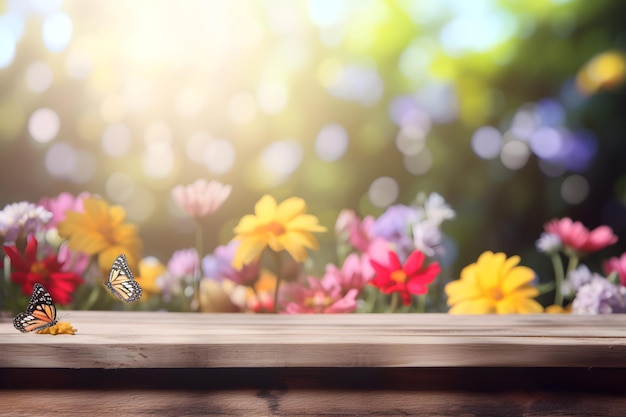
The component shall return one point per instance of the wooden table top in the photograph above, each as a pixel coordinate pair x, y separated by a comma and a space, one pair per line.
113, 340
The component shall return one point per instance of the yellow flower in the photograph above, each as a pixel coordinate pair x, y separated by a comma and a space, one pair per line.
494, 284
281, 227
99, 231
257, 299
214, 296
150, 269
61, 327
557, 309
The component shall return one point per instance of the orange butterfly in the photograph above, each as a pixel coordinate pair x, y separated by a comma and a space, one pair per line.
40, 312
121, 281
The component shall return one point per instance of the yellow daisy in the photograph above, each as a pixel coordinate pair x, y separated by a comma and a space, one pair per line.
100, 230
493, 284
281, 227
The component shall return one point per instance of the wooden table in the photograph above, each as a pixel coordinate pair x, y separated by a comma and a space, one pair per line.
134, 363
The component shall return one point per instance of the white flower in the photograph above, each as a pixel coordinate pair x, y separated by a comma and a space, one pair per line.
437, 210
22, 219
548, 243
427, 238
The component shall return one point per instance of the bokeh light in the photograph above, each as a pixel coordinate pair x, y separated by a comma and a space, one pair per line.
38, 77
116, 140
57, 31
219, 156
44, 125
346, 103
575, 189
487, 142
383, 192
332, 142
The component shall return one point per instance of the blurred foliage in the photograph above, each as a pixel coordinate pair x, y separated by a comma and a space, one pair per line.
139, 63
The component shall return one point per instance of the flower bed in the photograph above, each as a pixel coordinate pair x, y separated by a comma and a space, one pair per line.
400, 261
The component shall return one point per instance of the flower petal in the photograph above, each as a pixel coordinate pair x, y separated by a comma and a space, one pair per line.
478, 306
516, 278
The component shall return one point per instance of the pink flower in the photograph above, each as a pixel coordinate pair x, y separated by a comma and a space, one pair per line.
63, 203
358, 231
201, 197
407, 279
618, 265
578, 238
73, 261
183, 263
355, 272
319, 296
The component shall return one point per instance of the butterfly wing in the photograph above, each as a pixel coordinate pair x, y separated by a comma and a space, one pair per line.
121, 281
40, 312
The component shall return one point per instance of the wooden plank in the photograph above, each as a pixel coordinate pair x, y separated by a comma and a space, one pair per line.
187, 340
318, 392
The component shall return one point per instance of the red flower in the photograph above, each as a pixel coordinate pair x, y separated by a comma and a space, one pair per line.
411, 278
578, 238
27, 270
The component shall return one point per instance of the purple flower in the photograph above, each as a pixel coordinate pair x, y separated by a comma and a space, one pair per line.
576, 279
219, 266
21, 220
395, 224
600, 297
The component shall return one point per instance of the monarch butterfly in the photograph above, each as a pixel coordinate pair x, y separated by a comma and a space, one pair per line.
40, 312
121, 281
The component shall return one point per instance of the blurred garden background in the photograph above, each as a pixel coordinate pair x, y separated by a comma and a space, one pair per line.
513, 111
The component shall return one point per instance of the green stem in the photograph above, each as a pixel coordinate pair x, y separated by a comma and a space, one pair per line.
395, 297
421, 303
197, 276
370, 299
559, 275
278, 262
573, 263
93, 297
6, 275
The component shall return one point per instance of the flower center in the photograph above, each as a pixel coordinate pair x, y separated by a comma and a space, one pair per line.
497, 294
319, 299
107, 233
273, 227
398, 276
39, 268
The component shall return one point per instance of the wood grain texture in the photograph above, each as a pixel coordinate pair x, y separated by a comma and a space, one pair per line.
132, 363
315, 392
117, 340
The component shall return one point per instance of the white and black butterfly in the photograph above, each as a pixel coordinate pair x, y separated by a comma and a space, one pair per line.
121, 281
40, 312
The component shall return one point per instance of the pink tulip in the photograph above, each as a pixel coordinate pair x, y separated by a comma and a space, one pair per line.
618, 265
201, 197
578, 238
